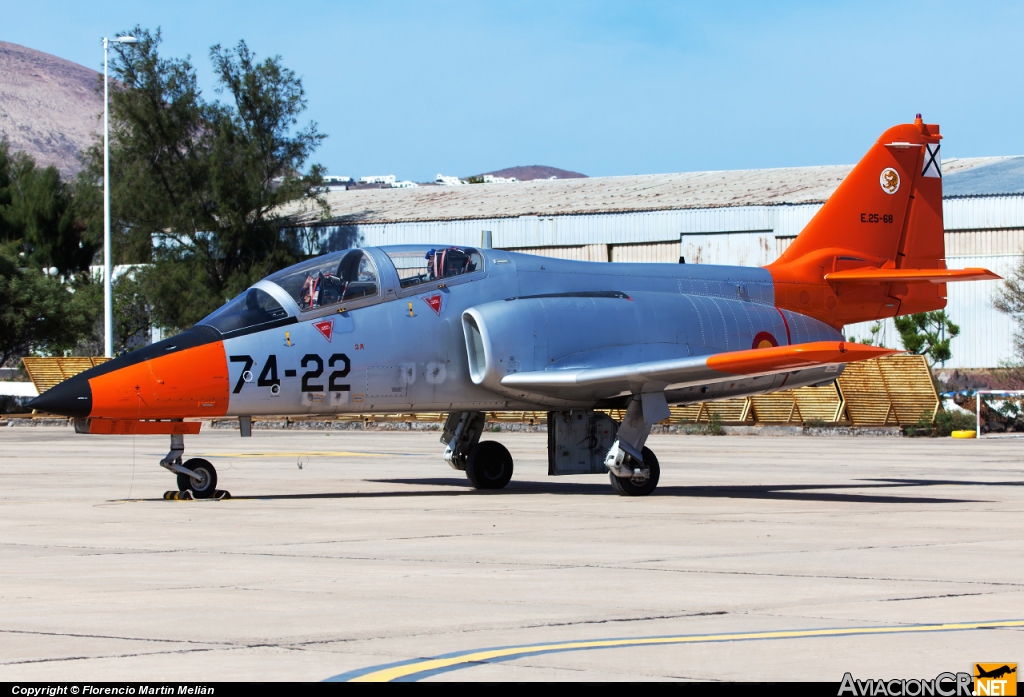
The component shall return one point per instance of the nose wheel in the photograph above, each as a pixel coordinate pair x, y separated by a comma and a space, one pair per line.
197, 478
202, 480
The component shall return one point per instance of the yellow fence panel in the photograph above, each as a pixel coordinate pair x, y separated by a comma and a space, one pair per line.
820, 403
866, 395
911, 389
47, 372
685, 413
730, 411
776, 408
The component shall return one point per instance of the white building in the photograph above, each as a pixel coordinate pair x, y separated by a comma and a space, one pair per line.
491, 179
442, 180
406, 184
388, 179
734, 217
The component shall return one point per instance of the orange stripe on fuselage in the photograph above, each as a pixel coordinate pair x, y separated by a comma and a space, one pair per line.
166, 387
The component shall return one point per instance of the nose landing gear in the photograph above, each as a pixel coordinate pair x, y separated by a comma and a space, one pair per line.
202, 482
197, 476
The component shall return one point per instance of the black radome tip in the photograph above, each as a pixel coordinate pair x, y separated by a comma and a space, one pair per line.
72, 398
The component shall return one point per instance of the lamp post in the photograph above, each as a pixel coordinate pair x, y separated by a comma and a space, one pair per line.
108, 298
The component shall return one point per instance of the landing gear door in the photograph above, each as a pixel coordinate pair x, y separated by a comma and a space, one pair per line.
578, 441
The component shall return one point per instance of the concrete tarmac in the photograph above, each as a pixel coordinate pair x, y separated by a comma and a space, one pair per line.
375, 552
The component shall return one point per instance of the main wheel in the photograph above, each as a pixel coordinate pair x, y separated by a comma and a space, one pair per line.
639, 486
203, 480
489, 465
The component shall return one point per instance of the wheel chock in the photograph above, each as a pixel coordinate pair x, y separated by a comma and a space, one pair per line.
186, 495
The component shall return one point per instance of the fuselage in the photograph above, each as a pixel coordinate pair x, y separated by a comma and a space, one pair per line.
370, 331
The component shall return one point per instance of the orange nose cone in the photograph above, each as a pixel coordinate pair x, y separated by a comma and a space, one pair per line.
192, 382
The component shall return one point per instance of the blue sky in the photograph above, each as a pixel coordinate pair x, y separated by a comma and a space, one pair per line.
604, 88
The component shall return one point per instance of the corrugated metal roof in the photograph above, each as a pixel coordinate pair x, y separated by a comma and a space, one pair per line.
1003, 176
648, 192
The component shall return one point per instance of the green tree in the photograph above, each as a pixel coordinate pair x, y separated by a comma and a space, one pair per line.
196, 185
927, 334
38, 217
874, 340
1010, 299
131, 312
40, 313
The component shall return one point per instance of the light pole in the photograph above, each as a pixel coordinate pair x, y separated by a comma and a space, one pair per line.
108, 297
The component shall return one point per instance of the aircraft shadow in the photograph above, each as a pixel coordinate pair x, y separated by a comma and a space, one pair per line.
799, 492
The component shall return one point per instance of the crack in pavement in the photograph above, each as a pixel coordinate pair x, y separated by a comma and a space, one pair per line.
120, 655
544, 566
930, 597
104, 636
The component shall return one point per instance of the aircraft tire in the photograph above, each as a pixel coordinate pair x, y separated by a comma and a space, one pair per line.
489, 465
205, 485
628, 487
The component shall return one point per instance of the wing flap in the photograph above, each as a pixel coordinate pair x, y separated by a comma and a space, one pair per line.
698, 370
872, 275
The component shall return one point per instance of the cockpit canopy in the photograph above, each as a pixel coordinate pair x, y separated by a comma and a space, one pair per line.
328, 280
253, 308
418, 265
341, 277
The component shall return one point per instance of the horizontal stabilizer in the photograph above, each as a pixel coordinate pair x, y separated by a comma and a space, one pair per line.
871, 275
696, 370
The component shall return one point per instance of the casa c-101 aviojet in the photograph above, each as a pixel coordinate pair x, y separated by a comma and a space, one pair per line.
465, 331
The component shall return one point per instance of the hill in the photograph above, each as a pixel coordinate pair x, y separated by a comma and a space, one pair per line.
529, 172
49, 107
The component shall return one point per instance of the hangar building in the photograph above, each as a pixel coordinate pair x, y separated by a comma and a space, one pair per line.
743, 217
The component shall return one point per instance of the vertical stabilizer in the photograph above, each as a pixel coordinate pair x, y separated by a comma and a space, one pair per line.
887, 214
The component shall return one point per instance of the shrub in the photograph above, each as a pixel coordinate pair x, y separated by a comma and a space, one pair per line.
948, 421
715, 425
923, 427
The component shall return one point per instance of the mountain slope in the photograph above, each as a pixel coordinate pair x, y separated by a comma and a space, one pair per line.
49, 107
529, 172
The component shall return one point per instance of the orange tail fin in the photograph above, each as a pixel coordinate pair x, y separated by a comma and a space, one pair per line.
886, 215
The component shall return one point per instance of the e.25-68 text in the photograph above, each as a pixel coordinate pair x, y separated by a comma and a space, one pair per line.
875, 218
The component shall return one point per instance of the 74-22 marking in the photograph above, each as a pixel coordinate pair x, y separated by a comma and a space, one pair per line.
314, 363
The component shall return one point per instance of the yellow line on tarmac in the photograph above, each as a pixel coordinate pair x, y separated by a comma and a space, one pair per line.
464, 660
310, 453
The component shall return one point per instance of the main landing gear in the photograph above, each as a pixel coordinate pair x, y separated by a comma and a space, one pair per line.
580, 441
639, 483
632, 467
487, 465
196, 476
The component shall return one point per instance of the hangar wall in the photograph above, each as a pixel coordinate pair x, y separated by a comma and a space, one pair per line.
980, 231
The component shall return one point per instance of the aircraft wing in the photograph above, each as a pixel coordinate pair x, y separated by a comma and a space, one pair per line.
695, 370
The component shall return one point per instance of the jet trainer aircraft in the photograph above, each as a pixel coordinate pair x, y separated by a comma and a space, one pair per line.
466, 331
